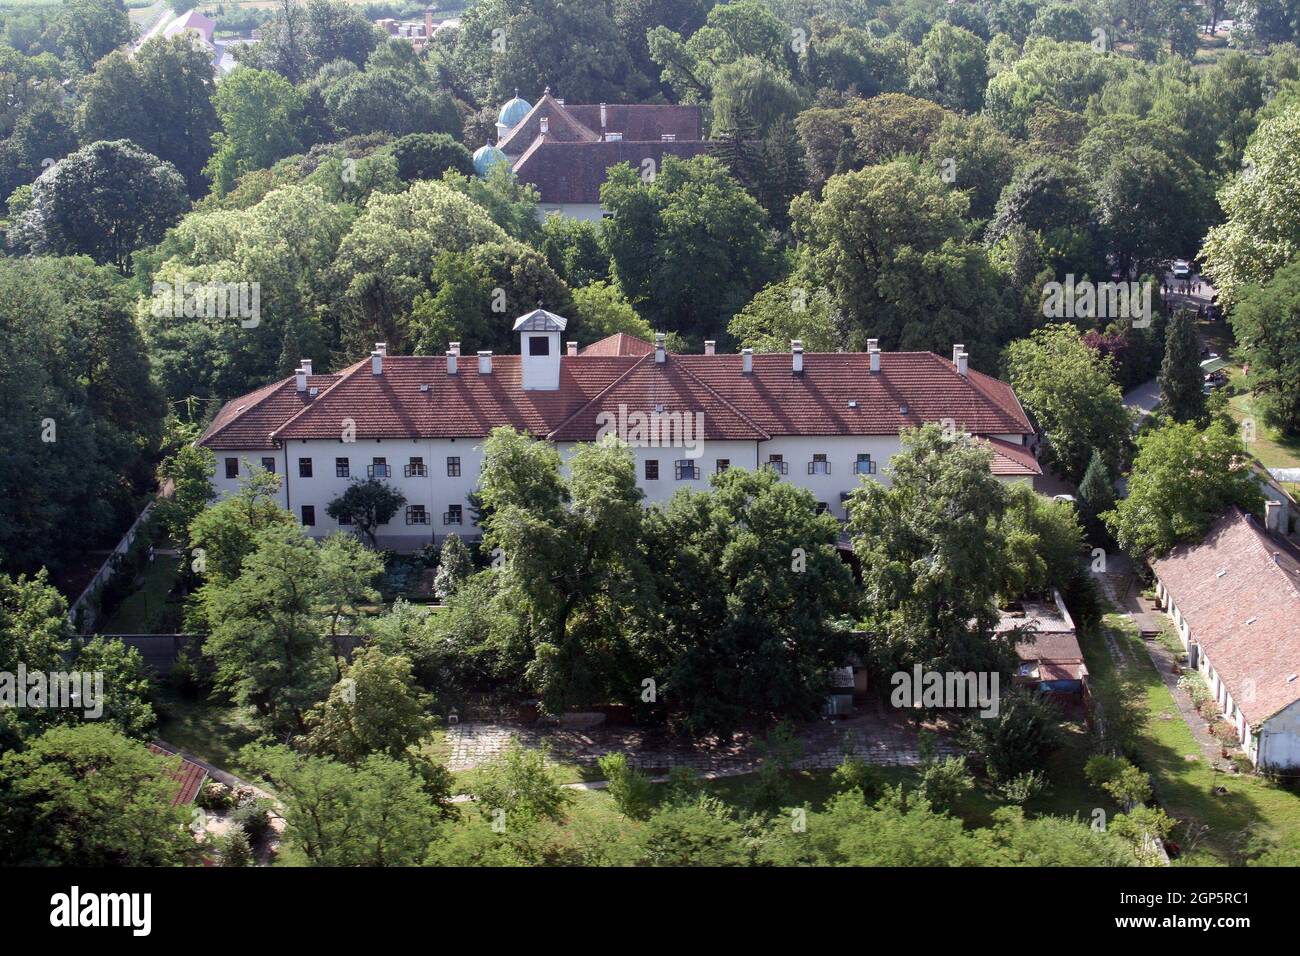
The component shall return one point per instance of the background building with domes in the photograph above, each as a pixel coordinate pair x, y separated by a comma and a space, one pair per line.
565, 150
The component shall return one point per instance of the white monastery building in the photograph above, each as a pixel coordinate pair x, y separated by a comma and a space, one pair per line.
823, 421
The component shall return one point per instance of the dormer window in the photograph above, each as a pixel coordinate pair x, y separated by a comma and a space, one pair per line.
539, 345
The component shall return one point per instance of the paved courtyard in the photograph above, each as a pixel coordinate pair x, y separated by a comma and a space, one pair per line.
879, 736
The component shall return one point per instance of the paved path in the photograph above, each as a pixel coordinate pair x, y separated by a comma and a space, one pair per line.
880, 736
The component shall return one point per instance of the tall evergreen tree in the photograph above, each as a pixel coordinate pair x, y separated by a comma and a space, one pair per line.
1180, 373
1097, 491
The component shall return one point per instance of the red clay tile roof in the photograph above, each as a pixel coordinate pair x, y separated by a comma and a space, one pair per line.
246, 423
620, 343
573, 172
1010, 459
189, 776
910, 389
562, 127
1247, 619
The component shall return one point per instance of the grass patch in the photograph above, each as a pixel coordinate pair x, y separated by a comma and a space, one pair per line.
1215, 829
146, 610
212, 730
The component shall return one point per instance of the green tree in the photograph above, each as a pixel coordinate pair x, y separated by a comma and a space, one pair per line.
931, 551
631, 790
1266, 323
784, 311
702, 833
1183, 478
1096, 490
1019, 738
454, 566
188, 472
520, 785
952, 68
1072, 395
1181, 391
225, 532
347, 574
749, 591
88, 796
571, 562
368, 504
688, 248
375, 708
259, 116
373, 814
265, 639
1261, 206
106, 200
89, 29
602, 310
429, 155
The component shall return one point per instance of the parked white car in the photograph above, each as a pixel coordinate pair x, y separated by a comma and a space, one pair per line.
1181, 269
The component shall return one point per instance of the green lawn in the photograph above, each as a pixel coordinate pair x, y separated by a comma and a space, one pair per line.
146, 609
209, 729
1251, 808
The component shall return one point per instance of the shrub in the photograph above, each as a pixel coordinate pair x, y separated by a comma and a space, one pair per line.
1194, 685
1023, 788
702, 833
944, 782
519, 782
854, 773
233, 848
1019, 738
1127, 784
253, 819
216, 797
632, 790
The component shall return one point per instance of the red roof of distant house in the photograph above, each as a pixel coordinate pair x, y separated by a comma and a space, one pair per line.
580, 123
836, 394
1238, 589
1010, 459
620, 343
189, 776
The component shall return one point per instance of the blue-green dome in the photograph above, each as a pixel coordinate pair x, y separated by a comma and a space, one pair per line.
514, 111
485, 157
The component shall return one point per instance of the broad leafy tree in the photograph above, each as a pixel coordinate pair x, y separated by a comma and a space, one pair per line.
1183, 478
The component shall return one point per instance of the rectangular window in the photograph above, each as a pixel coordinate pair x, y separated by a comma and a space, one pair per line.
778, 464
268, 464
308, 515
304, 467
345, 520
723, 465
453, 466
686, 470
865, 466
342, 468
652, 469
452, 515
379, 469
232, 467
819, 465
539, 345
416, 468
416, 514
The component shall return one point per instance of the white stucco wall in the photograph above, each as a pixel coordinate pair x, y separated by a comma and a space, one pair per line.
586, 211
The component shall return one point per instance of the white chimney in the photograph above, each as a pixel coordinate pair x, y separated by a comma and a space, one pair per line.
571, 348
546, 124
301, 376
796, 356
381, 348
659, 348
961, 363
1273, 516
305, 365
747, 361
956, 351
451, 362
377, 362
875, 361
454, 347
710, 347
873, 344
602, 117
485, 363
